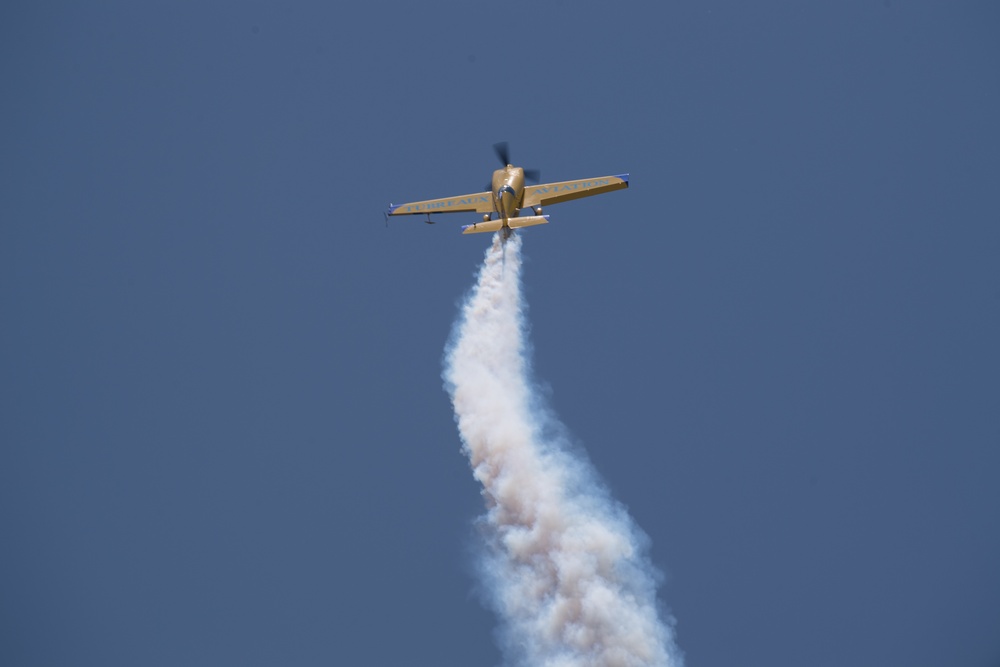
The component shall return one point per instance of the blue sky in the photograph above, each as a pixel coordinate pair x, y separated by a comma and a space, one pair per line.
224, 434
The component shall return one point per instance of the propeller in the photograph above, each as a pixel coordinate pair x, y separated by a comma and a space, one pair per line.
503, 153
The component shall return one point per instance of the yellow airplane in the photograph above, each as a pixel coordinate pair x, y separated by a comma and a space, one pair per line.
508, 195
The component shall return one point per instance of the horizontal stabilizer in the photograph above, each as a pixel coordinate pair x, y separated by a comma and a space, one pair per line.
527, 221
489, 226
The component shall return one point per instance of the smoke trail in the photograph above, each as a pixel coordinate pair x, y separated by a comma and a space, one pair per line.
564, 563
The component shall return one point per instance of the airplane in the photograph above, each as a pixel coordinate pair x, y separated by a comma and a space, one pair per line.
507, 196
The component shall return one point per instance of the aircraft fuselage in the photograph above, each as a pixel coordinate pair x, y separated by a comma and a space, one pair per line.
508, 191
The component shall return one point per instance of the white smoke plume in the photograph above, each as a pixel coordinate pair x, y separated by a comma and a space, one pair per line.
564, 564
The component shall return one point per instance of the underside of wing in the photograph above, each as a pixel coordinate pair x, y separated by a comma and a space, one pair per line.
480, 202
553, 193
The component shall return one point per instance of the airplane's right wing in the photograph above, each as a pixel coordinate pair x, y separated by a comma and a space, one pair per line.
480, 202
553, 193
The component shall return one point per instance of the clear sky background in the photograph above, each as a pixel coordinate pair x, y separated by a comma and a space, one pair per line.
223, 434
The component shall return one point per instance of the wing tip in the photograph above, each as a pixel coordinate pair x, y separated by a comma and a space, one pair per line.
624, 178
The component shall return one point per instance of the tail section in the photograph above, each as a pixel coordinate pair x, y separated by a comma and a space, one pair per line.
488, 226
527, 221
513, 223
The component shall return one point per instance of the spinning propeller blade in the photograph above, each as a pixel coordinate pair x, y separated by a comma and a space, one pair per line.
502, 152
502, 149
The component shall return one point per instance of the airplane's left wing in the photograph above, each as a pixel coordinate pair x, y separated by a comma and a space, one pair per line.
480, 202
553, 193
